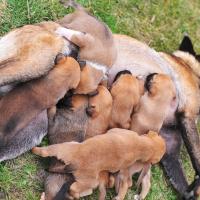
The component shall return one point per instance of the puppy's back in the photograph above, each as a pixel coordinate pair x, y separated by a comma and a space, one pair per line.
126, 94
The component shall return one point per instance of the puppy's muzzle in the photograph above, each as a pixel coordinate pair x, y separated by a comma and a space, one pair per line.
149, 78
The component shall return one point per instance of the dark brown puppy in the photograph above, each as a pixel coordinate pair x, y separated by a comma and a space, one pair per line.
25, 102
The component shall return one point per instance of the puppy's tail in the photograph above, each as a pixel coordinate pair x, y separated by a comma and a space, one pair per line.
73, 4
64, 151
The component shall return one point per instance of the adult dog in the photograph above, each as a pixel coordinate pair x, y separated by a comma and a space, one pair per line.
183, 68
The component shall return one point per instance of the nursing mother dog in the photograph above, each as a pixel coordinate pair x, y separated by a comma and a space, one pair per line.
180, 120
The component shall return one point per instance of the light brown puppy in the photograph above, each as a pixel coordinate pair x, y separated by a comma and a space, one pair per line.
96, 43
99, 110
154, 104
104, 152
126, 94
78, 118
28, 100
150, 115
123, 180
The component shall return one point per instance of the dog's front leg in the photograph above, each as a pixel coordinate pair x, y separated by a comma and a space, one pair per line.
170, 162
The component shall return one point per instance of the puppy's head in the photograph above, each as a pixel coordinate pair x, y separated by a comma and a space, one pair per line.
160, 84
159, 146
89, 80
101, 103
94, 38
68, 67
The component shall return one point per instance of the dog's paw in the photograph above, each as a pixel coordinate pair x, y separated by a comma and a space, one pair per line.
42, 196
116, 198
137, 197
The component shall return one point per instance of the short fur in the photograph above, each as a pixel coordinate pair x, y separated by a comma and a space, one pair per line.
126, 94
85, 117
148, 149
99, 110
142, 60
154, 105
19, 107
66, 124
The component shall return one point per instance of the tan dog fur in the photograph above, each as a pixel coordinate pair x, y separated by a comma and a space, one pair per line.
99, 110
126, 94
78, 126
21, 59
96, 43
154, 105
91, 157
25, 102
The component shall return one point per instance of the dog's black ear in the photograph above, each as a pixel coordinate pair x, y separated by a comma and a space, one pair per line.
82, 63
187, 46
58, 58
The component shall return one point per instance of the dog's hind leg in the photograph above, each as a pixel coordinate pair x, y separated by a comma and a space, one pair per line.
146, 185
170, 162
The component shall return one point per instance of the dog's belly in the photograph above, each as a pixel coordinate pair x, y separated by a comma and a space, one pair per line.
136, 57
25, 139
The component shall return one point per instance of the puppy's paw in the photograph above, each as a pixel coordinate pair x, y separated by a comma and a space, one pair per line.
116, 198
137, 197
42, 196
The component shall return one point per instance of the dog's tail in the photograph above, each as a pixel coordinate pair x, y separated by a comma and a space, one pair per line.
64, 151
73, 4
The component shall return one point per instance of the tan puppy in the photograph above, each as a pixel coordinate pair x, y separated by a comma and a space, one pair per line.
99, 110
155, 104
96, 43
104, 152
80, 116
28, 100
123, 180
126, 94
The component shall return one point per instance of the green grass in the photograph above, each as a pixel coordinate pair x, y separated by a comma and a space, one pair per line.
159, 23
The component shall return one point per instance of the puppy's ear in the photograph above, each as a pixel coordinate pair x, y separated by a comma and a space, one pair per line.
187, 46
82, 63
59, 58
92, 111
152, 134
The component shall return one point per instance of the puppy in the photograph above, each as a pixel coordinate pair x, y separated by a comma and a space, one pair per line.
66, 123
96, 43
126, 94
97, 47
20, 106
155, 104
123, 180
81, 117
104, 152
21, 59
99, 111
142, 121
